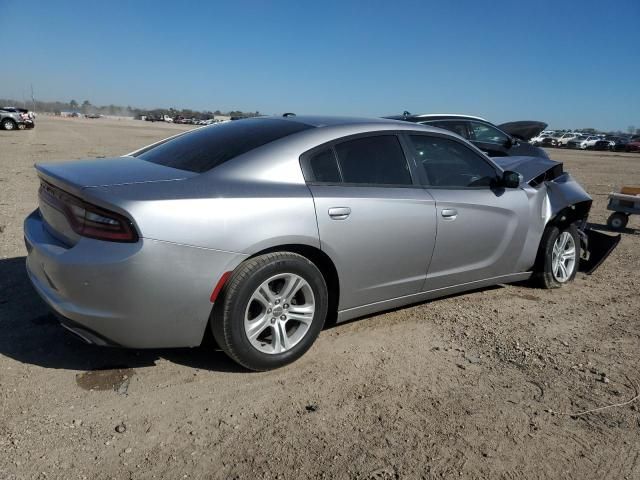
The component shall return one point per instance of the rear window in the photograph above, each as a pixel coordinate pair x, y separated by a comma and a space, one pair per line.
208, 147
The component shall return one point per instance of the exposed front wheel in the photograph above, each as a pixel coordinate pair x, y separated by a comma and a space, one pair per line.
558, 257
270, 311
8, 124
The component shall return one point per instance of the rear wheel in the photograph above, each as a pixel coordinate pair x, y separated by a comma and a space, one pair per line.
271, 310
558, 257
8, 124
617, 220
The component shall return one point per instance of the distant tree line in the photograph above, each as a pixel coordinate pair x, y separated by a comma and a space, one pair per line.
86, 107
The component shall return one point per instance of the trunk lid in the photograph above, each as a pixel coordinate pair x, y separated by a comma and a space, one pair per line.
67, 183
103, 172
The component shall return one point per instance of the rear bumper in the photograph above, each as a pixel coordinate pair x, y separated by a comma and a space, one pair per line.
149, 294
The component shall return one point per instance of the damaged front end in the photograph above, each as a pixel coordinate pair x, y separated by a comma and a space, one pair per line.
569, 203
562, 201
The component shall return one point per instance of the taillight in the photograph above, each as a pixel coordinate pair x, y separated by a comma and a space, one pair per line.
89, 220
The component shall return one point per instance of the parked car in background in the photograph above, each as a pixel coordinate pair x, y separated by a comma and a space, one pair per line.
600, 144
538, 139
259, 229
617, 143
509, 139
633, 145
12, 118
565, 138
576, 142
547, 139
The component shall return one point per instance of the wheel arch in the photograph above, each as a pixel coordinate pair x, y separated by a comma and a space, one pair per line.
577, 212
324, 263
9, 119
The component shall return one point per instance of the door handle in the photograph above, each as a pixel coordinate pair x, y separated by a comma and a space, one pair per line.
449, 213
339, 213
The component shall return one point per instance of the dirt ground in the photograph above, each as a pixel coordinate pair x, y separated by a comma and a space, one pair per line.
474, 386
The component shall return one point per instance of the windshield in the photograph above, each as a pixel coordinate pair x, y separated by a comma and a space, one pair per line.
205, 148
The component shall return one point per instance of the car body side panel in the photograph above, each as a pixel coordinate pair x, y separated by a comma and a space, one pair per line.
231, 216
383, 248
483, 240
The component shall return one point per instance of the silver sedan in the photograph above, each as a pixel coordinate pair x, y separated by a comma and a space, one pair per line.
262, 229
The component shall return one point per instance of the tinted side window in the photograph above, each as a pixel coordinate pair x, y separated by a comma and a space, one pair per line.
324, 167
205, 148
461, 127
448, 163
374, 160
486, 133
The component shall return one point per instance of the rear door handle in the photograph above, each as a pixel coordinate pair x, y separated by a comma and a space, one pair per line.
449, 213
339, 213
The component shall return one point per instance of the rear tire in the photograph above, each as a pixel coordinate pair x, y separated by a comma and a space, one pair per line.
270, 311
617, 221
558, 257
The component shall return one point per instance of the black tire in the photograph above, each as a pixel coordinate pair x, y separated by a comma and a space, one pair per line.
543, 273
227, 319
617, 221
8, 124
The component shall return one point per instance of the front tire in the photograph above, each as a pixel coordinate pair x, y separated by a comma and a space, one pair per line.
270, 311
8, 124
558, 257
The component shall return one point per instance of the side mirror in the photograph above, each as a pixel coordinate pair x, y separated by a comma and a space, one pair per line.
511, 179
510, 142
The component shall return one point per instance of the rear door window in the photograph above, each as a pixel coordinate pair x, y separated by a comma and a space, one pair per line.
205, 148
373, 160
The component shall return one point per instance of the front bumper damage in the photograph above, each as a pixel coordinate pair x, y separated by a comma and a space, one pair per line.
596, 247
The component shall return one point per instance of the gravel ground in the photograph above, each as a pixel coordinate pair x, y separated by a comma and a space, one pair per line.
479, 385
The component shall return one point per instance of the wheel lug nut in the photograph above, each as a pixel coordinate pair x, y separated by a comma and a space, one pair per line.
273, 320
286, 305
277, 302
282, 317
268, 310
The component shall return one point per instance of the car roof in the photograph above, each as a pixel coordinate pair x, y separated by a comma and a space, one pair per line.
334, 121
436, 116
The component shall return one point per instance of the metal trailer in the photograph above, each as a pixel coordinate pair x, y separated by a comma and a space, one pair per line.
623, 204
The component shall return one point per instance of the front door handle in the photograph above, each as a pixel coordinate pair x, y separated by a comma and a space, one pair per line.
339, 213
449, 213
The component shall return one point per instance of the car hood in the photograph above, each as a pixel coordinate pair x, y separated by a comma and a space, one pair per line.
524, 130
528, 167
104, 172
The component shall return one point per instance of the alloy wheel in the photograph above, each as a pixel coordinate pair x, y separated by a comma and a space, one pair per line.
563, 257
279, 313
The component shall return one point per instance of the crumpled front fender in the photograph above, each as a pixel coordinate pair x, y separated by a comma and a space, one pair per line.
564, 192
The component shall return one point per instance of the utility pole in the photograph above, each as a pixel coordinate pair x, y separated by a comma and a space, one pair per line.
33, 102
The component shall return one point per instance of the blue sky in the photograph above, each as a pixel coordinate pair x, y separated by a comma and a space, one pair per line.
570, 63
